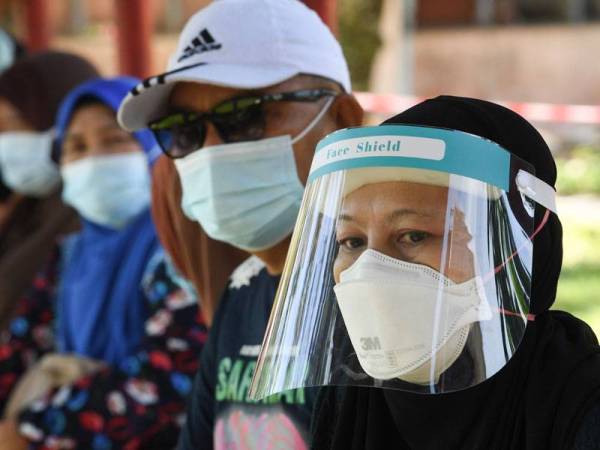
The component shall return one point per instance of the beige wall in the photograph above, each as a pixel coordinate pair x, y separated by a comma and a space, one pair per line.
101, 51
99, 44
96, 11
536, 63
521, 63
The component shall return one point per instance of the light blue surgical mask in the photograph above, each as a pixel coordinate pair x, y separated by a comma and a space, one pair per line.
246, 194
26, 163
108, 190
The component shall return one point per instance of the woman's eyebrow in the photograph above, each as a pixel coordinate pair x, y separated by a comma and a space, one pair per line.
403, 212
395, 215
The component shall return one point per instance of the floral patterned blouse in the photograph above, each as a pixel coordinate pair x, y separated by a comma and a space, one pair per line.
138, 405
30, 334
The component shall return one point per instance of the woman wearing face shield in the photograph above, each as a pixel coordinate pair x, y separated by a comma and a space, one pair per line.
427, 255
129, 330
32, 215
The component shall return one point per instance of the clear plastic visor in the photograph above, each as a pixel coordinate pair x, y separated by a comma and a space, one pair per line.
402, 278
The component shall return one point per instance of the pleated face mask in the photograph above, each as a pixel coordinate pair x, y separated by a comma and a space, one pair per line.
108, 190
246, 194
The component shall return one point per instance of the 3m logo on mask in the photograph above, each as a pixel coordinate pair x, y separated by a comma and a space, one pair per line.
204, 42
370, 343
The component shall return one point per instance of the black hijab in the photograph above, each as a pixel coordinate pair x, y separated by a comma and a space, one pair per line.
538, 400
36, 84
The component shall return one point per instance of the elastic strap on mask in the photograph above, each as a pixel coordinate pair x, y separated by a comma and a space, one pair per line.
516, 252
316, 120
542, 193
530, 317
506, 312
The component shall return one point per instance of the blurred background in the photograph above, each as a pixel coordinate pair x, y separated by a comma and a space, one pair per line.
539, 57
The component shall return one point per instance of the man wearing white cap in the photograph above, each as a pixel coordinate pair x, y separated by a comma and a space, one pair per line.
251, 89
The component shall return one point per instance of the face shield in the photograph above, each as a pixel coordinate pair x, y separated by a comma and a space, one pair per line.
409, 267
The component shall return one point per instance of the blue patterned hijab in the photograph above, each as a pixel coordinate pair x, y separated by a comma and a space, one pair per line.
101, 305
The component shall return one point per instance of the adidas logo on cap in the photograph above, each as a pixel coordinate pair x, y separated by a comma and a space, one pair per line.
204, 42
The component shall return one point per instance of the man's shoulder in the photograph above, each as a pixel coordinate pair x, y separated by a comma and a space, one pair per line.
245, 273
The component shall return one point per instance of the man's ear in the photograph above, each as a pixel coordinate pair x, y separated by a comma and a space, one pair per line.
348, 112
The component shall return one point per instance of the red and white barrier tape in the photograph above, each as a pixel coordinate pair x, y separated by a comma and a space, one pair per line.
534, 112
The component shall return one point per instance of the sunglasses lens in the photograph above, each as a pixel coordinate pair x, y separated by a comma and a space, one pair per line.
236, 120
247, 124
187, 139
180, 141
164, 139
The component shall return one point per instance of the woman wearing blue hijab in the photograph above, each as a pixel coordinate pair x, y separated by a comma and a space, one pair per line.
123, 314
106, 179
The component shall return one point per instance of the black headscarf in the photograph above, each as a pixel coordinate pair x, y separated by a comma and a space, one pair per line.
36, 84
538, 400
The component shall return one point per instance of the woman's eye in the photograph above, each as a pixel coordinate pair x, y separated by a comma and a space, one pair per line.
116, 140
351, 243
74, 149
414, 237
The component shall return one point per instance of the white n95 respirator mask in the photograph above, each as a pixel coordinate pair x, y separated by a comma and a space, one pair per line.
390, 309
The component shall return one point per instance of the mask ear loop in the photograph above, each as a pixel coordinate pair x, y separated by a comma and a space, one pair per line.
530, 317
313, 122
542, 193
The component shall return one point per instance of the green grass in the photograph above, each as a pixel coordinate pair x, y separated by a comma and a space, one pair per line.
579, 285
578, 290
580, 172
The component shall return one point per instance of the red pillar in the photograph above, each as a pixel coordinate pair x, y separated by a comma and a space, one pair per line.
134, 30
327, 10
37, 24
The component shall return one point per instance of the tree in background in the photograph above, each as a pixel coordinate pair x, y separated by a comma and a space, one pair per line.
358, 34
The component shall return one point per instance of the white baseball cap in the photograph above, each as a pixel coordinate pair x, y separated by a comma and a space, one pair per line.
246, 44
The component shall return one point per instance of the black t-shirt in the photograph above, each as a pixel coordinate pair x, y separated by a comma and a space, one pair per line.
220, 415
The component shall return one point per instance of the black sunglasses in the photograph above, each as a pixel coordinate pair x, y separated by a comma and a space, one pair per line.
236, 120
